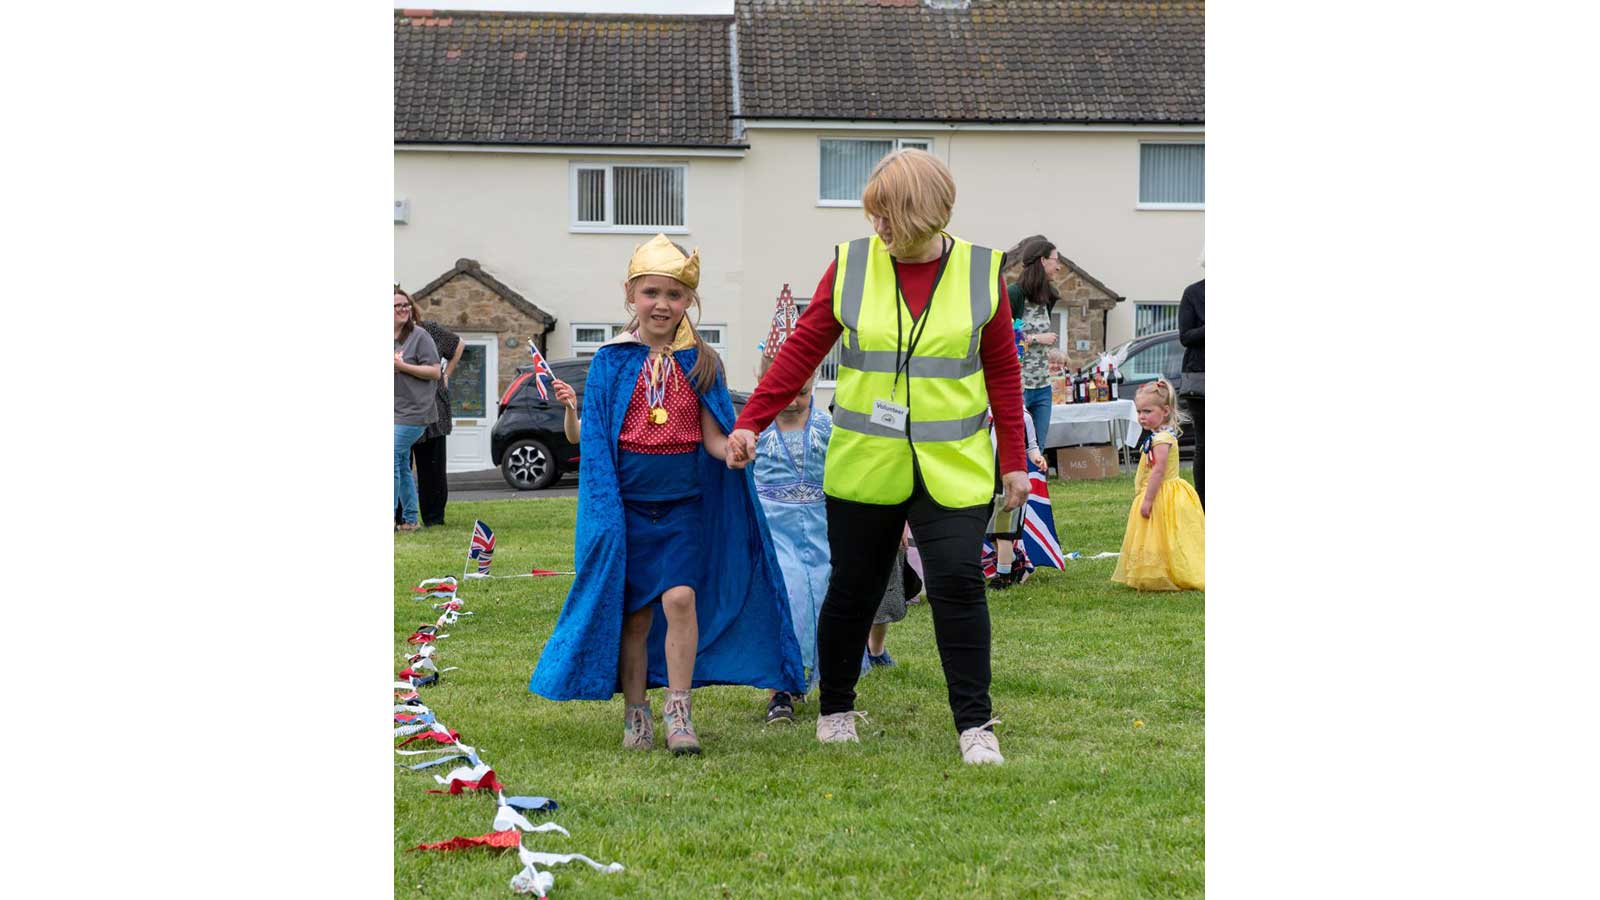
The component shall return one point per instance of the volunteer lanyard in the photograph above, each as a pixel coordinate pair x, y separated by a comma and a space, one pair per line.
919, 325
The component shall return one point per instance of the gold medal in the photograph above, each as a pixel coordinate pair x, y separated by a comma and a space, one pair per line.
658, 416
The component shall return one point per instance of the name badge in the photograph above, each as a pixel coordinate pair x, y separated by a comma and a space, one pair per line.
890, 415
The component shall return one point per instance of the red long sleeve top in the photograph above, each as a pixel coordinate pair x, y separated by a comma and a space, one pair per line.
817, 332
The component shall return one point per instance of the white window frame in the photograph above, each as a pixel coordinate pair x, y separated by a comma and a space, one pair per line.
588, 348
721, 344
899, 144
1173, 304
800, 304
1138, 187
575, 226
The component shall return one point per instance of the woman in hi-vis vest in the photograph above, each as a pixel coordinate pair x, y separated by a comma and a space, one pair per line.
925, 348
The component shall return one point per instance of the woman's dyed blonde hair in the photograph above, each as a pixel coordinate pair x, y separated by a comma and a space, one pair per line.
914, 192
1161, 391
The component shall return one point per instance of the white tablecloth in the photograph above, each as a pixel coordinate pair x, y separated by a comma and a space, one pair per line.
1091, 423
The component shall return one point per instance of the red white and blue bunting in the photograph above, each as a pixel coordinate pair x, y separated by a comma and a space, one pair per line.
416, 723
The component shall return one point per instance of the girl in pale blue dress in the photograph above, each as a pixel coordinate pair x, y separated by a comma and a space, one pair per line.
790, 455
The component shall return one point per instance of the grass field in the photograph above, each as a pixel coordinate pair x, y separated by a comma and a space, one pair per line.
1101, 691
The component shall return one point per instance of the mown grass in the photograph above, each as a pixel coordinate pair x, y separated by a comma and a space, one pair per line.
1101, 690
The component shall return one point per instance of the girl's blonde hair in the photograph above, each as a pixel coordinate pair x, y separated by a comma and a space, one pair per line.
706, 363
1055, 354
914, 192
1161, 390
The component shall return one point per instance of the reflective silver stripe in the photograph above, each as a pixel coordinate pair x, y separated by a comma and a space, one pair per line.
855, 282
921, 432
882, 362
982, 257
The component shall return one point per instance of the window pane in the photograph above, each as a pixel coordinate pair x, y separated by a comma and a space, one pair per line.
585, 335
1154, 361
846, 165
649, 195
591, 195
1151, 318
1172, 173
711, 335
914, 144
469, 385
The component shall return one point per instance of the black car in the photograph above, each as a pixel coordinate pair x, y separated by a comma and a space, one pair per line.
528, 442
1145, 359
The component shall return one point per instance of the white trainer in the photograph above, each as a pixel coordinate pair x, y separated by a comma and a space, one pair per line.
980, 746
839, 728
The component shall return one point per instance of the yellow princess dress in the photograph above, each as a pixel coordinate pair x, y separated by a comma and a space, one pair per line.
1166, 552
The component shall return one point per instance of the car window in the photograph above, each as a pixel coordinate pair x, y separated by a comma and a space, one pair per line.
1161, 359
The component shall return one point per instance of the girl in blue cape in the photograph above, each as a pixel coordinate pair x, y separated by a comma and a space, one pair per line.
662, 522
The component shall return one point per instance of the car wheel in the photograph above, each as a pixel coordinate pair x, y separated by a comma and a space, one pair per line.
528, 465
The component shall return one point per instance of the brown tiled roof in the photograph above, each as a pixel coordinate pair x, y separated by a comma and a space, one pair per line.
528, 78
996, 61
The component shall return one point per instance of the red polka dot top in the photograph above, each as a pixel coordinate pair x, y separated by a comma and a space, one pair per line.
680, 433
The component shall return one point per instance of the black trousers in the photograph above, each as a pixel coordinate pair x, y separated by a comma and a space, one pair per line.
1197, 412
433, 491
863, 539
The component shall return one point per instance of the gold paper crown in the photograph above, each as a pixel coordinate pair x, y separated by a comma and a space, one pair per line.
658, 256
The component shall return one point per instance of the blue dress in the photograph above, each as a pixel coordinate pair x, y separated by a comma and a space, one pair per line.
788, 471
745, 636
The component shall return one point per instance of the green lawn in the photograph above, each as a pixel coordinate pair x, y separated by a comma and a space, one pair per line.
1101, 689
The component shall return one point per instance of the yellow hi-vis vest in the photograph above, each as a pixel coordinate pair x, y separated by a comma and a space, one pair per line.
869, 462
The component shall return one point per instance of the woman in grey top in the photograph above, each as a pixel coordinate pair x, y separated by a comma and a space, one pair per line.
416, 368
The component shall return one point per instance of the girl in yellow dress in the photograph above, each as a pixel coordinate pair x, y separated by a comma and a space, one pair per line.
1164, 548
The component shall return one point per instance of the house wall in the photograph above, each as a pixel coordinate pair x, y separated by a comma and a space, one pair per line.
511, 213
1080, 189
757, 223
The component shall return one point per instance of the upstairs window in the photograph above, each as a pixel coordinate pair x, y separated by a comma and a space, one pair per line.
847, 163
1172, 175
629, 198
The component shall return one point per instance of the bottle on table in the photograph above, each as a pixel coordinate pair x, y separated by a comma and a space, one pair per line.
1115, 380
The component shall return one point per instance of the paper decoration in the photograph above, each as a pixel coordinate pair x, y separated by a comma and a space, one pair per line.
487, 782
503, 840
506, 817
447, 737
530, 857
529, 804
532, 881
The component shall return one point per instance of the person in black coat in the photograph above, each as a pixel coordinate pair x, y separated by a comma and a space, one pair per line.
1192, 334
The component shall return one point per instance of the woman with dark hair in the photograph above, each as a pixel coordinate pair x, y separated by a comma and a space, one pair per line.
1033, 299
416, 368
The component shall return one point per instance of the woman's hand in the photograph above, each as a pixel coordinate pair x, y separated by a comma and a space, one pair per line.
1016, 487
564, 393
1144, 508
1044, 337
1037, 459
741, 448
399, 362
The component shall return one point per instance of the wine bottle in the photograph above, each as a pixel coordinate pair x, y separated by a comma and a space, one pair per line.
1115, 380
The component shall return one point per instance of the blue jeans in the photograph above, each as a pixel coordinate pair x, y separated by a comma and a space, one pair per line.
1036, 402
405, 487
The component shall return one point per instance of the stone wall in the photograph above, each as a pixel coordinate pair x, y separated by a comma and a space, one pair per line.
466, 304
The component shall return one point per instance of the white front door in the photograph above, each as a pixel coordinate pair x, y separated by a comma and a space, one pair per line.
474, 403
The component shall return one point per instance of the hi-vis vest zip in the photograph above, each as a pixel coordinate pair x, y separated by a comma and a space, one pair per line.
945, 392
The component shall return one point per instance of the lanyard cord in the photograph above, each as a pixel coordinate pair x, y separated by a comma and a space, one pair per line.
918, 326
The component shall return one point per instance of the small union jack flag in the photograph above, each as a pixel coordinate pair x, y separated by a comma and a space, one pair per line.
540, 369
482, 547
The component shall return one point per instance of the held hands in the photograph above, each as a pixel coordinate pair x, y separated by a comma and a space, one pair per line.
741, 448
1016, 487
1037, 458
564, 393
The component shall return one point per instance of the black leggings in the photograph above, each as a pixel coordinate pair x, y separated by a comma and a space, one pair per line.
863, 539
1197, 412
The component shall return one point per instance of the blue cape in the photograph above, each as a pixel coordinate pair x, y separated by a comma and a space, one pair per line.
746, 636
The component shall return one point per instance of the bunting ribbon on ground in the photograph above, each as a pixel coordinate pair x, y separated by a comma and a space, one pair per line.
415, 721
